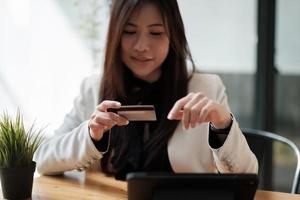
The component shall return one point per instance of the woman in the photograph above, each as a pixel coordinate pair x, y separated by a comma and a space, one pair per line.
145, 63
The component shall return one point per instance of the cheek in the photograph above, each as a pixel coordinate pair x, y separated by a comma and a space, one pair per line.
125, 48
125, 45
163, 50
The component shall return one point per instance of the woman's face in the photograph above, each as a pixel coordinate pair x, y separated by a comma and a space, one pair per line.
144, 43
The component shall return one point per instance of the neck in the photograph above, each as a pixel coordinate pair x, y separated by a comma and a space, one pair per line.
151, 78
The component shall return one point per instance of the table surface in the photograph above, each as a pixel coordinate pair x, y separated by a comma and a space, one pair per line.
96, 185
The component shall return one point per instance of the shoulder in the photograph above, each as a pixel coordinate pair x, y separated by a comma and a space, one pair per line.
209, 84
89, 89
198, 77
91, 82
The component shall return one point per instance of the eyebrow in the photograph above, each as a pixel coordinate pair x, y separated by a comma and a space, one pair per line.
151, 25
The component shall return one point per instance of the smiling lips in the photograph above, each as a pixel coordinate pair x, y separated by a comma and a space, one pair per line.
141, 59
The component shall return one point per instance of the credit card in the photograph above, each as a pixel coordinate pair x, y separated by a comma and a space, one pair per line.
136, 112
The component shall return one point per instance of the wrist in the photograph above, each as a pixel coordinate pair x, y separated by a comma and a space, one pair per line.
96, 135
223, 124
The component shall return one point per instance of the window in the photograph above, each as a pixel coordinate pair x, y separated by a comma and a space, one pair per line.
222, 38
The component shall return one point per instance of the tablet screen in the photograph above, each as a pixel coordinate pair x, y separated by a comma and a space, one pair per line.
182, 186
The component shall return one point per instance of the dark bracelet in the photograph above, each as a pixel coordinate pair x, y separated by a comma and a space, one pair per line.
223, 130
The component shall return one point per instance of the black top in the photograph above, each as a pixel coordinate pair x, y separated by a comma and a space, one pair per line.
129, 142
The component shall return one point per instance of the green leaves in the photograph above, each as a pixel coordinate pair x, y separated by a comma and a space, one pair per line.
17, 145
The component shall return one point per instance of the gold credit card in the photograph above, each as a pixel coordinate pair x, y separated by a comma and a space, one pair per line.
136, 112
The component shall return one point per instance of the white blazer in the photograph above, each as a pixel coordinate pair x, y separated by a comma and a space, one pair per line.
189, 151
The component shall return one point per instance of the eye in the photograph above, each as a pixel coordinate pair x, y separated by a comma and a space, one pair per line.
129, 32
156, 33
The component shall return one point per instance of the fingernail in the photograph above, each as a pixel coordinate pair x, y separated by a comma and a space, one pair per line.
188, 125
118, 103
127, 122
170, 116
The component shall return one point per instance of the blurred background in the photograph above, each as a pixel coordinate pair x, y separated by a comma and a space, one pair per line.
47, 47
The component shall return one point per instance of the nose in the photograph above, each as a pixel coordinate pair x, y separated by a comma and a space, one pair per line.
141, 43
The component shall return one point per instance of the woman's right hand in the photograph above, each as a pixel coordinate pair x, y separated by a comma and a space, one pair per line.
102, 120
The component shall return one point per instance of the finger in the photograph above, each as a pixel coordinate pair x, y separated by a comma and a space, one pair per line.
178, 116
205, 112
108, 104
198, 106
175, 111
186, 118
96, 126
193, 109
194, 100
194, 116
120, 121
104, 120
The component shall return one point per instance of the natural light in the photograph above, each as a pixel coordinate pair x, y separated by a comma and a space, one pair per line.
42, 61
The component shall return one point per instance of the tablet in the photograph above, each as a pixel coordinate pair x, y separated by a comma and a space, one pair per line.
158, 186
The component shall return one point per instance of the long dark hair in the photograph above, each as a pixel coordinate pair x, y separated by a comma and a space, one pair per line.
174, 74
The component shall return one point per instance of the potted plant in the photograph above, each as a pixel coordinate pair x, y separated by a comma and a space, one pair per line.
17, 146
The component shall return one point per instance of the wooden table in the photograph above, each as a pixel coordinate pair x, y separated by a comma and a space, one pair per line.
95, 185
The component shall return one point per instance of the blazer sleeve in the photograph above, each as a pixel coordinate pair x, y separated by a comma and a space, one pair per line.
234, 156
71, 146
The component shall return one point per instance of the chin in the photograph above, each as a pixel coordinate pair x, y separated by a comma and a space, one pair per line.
142, 75
141, 71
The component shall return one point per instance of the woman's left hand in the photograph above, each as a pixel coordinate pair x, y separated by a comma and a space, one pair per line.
196, 108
